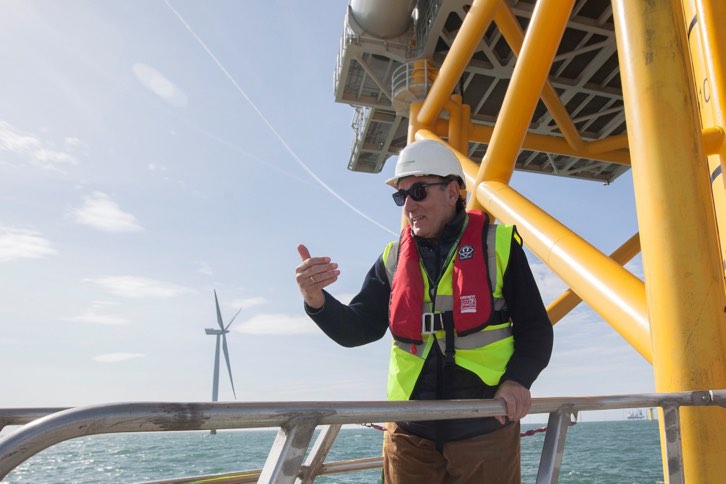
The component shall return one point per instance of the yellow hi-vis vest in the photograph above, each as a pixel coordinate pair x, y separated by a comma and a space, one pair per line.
486, 352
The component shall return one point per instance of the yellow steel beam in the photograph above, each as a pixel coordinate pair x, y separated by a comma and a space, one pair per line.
681, 260
467, 40
455, 122
512, 32
481, 133
611, 143
610, 290
613, 292
552, 144
707, 45
712, 14
711, 17
413, 126
568, 300
713, 140
546, 27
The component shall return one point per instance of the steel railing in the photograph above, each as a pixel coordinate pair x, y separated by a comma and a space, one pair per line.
297, 422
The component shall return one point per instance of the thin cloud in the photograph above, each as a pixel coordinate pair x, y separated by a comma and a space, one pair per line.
278, 324
205, 268
246, 303
157, 83
29, 149
549, 284
117, 357
98, 314
23, 244
133, 287
156, 167
102, 213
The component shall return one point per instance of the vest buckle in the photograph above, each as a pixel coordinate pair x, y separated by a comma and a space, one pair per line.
430, 323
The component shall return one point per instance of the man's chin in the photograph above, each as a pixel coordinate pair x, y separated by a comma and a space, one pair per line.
420, 231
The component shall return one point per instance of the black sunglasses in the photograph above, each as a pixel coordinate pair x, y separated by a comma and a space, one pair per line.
417, 192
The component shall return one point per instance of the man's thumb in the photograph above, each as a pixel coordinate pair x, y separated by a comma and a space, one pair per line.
304, 252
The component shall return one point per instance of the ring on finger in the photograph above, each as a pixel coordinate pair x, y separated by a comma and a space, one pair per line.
312, 278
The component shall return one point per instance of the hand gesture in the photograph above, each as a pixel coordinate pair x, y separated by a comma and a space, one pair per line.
313, 275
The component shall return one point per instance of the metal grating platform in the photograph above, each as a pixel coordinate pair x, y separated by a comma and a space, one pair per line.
585, 74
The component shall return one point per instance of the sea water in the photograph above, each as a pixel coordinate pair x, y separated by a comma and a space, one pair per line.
617, 452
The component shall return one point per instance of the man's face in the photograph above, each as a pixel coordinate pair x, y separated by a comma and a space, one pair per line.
429, 216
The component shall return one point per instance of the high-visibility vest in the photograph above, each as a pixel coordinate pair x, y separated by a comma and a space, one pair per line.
485, 351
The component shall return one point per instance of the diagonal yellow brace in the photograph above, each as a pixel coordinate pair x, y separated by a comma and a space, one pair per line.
548, 23
462, 49
568, 300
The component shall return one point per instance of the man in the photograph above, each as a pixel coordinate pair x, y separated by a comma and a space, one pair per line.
466, 317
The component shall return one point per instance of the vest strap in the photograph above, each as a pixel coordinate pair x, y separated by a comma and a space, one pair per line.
482, 338
469, 342
432, 322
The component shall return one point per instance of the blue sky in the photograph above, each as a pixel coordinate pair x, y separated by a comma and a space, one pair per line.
152, 152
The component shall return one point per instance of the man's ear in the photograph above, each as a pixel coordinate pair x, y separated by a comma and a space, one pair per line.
452, 190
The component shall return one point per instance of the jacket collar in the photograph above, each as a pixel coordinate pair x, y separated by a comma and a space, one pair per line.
451, 231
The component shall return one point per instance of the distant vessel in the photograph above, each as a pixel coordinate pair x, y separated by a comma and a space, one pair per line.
637, 414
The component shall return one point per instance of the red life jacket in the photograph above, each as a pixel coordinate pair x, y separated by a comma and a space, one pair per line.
471, 289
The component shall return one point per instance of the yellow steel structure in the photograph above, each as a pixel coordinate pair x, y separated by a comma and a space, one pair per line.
707, 42
568, 300
672, 64
685, 290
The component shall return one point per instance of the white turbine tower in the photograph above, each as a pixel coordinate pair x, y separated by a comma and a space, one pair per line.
221, 334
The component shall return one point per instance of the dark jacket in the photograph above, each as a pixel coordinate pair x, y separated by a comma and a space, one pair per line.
365, 320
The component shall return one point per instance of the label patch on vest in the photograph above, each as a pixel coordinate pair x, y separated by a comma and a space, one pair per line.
468, 304
466, 252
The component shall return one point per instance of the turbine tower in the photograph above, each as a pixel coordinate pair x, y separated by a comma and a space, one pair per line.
221, 334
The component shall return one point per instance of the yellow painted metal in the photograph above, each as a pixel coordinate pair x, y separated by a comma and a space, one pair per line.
467, 39
454, 109
568, 300
551, 144
685, 295
512, 32
613, 292
466, 127
412, 124
615, 142
548, 22
711, 18
713, 140
610, 290
707, 44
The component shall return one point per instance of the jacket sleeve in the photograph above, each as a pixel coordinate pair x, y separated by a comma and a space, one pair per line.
362, 321
531, 326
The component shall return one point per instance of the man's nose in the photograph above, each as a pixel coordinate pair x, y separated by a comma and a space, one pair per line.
409, 203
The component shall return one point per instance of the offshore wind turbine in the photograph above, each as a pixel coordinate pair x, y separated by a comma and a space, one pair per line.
221, 335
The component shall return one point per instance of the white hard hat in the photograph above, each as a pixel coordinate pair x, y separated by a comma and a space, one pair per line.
426, 157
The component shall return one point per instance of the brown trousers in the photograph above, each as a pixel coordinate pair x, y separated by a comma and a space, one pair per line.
490, 458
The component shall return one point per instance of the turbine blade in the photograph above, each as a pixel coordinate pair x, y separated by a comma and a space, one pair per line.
229, 367
233, 318
219, 313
